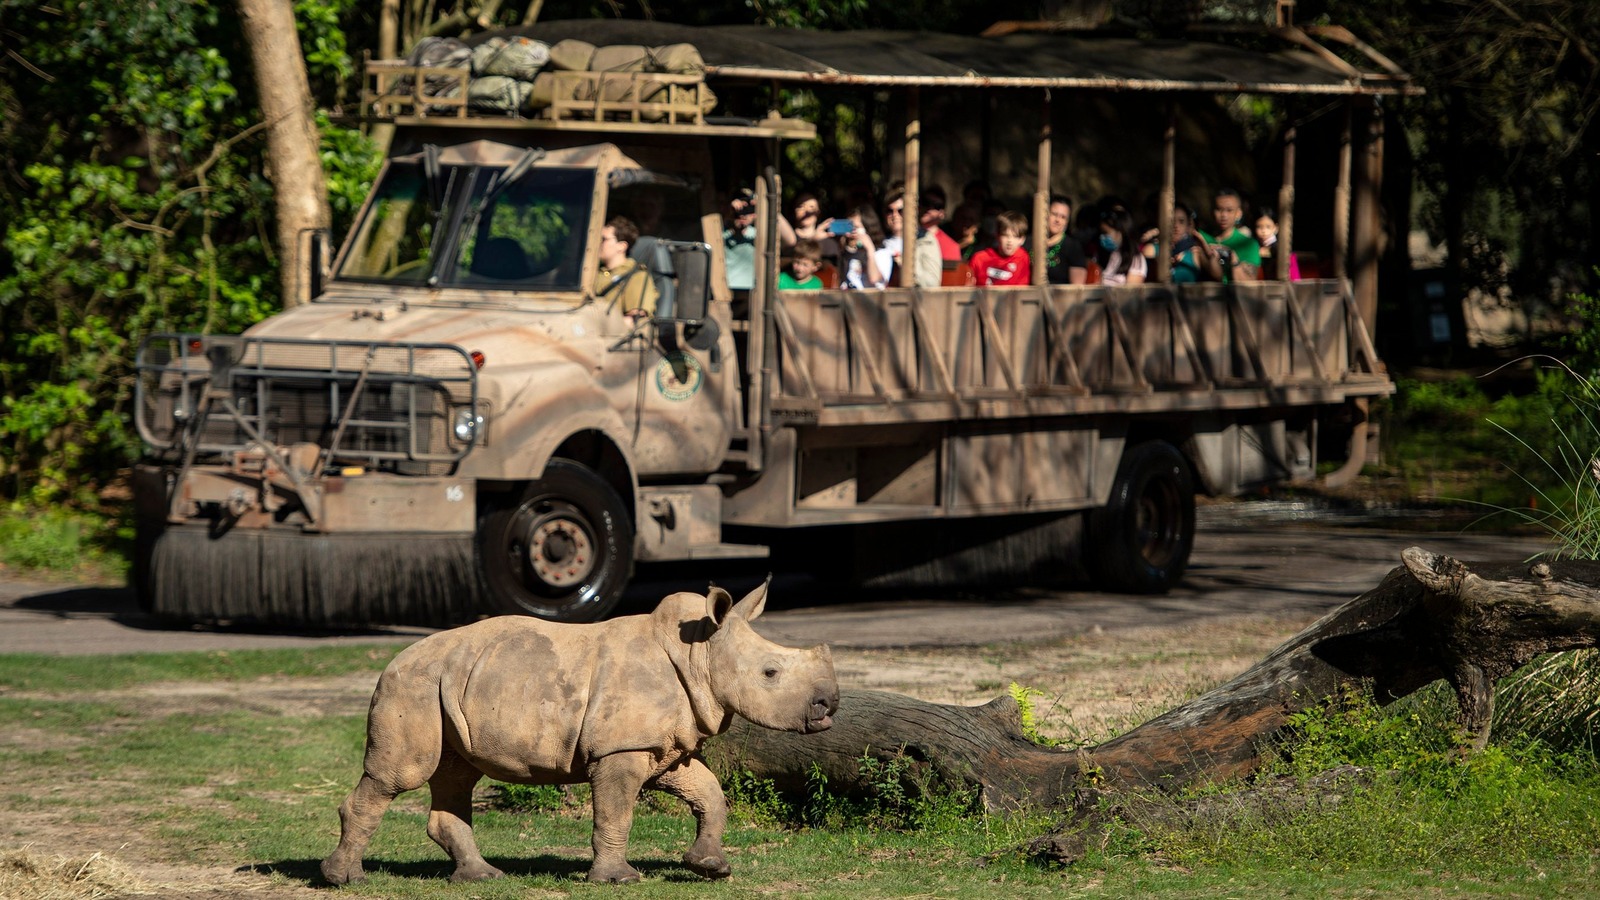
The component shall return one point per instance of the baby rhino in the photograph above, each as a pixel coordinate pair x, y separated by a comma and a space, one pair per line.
624, 705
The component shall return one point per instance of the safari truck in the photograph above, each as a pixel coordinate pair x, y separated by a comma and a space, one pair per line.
461, 421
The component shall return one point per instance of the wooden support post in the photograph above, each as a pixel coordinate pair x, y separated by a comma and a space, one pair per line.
1169, 194
912, 214
1341, 198
1282, 255
1041, 197
1366, 228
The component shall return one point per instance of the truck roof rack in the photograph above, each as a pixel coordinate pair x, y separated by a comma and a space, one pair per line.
397, 92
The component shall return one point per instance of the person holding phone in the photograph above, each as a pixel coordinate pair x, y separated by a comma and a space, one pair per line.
858, 237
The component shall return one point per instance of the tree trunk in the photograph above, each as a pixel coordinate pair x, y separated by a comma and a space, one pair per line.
299, 191
1429, 619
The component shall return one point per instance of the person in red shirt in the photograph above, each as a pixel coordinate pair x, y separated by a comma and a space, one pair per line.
1006, 264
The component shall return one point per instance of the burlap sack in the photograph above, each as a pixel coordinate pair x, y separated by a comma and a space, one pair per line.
571, 55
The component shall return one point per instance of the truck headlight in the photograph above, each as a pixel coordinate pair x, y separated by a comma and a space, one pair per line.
467, 425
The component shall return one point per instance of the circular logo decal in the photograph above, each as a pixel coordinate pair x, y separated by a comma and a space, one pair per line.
678, 376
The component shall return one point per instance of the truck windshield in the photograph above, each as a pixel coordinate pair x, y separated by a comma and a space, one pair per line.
528, 236
394, 242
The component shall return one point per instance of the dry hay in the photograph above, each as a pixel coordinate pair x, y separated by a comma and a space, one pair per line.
27, 875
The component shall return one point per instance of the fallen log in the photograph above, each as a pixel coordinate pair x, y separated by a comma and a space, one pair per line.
1433, 617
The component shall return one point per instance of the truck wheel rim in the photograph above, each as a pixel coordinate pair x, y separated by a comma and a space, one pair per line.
559, 550
1157, 522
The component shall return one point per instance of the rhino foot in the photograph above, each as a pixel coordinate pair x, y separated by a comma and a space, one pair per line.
336, 871
614, 874
715, 866
478, 871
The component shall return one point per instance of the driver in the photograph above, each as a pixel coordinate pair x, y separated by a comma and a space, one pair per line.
620, 276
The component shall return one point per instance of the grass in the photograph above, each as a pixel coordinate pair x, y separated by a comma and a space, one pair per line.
236, 787
59, 543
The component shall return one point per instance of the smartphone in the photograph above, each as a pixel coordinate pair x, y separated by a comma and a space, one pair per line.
841, 226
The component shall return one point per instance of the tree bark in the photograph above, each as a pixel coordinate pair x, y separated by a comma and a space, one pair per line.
300, 193
1432, 618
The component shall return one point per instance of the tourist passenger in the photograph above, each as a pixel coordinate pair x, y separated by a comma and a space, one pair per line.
891, 251
802, 273
1267, 235
1118, 251
858, 262
1064, 260
931, 206
1190, 254
1235, 247
621, 280
807, 221
739, 240
1006, 264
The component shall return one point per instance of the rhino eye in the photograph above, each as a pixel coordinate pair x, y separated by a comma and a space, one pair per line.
771, 672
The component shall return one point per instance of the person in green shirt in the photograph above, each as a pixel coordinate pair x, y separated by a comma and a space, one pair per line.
802, 272
1235, 249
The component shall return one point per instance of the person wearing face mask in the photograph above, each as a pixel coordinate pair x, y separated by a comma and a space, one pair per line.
1118, 249
1267, 235
1006, 264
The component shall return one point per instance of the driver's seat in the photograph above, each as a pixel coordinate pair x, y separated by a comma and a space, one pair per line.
500, 259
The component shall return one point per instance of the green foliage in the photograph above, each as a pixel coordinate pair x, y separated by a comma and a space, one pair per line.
1413, 800
901, 793
528, 798
136, 202
58, 541
1028, 714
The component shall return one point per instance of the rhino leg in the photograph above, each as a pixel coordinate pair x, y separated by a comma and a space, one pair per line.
359, 816
450, 819
694, 784
402, 753
616, 781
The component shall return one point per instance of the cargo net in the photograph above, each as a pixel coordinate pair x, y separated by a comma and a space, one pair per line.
391, 406
523, 78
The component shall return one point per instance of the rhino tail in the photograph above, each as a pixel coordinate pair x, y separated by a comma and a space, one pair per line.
450, 692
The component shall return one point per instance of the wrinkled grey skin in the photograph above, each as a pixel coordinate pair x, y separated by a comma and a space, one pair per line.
624, 704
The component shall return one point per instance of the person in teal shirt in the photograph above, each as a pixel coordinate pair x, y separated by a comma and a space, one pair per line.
802, 272
1235, 248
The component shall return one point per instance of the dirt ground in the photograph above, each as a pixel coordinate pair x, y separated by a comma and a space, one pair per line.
1099, 664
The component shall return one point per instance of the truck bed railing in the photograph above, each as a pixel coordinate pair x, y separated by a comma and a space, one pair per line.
843, 348
372, 401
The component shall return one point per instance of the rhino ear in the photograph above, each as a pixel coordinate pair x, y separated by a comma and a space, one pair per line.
754, 602
718, 603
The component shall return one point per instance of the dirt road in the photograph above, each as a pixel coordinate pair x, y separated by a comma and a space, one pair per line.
1250, 560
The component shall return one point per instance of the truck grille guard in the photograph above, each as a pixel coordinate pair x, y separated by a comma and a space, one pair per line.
306, 406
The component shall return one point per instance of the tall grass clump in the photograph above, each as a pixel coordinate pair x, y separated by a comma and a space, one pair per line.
1404, 798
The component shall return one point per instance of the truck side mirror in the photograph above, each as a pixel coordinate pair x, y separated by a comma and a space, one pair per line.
692, 262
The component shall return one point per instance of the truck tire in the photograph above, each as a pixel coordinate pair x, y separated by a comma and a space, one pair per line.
1139, 542
562, 550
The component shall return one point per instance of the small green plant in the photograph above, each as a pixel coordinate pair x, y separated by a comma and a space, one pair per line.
528, 797
1028, 714
757, 799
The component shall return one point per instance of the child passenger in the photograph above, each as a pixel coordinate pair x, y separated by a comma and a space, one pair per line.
802, 274
1006, 264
